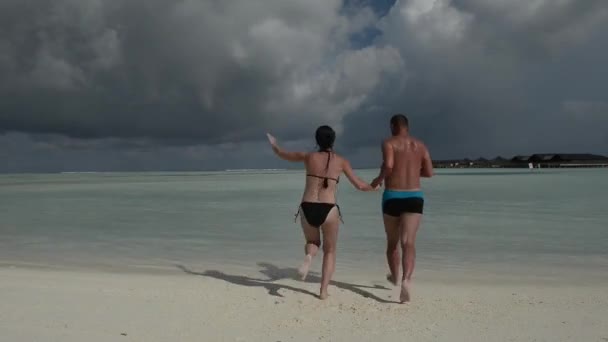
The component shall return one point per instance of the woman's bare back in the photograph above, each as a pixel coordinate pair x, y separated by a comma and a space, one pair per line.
320, 172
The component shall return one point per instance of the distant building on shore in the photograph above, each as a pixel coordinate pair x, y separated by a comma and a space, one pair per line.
538, 160
563, 160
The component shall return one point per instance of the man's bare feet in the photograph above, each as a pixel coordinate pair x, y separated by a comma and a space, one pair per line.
405, 292
323, 295
303, 270
391, 279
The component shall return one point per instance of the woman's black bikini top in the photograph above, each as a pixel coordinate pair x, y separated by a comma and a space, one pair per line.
325, 178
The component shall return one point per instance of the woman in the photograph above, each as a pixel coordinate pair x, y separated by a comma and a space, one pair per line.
319, 210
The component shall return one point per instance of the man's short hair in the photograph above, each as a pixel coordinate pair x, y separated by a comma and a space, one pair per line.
400, 120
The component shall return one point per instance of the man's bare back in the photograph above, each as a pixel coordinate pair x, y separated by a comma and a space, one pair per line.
410, 161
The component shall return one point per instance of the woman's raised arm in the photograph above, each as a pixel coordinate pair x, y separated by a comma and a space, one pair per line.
286, 155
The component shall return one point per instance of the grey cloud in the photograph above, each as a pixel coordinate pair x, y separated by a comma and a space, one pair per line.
195, 84
182, 72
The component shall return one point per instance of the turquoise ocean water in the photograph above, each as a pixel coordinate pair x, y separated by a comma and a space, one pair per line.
544, 223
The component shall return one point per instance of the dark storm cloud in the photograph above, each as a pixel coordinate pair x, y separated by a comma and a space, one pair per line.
85, 70
188, 71
141, 84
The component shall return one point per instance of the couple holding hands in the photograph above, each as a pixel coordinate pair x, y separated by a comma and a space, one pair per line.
405, 161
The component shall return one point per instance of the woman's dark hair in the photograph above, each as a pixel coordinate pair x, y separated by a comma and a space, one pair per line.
325, 137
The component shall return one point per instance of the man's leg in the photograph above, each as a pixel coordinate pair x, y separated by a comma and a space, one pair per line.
391, 227
410, 223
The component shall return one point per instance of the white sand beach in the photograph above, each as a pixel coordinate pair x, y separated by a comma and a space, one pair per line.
68, 305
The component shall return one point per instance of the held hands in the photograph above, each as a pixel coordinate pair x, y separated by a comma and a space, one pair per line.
374, 186
376, 183
367, 187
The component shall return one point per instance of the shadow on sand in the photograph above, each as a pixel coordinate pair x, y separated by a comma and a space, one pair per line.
274, 273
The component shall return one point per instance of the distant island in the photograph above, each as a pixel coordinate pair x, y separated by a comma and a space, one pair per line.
539, 160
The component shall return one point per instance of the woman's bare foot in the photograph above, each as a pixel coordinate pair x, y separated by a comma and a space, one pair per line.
391, 279
405, 292
323, 295
303, 270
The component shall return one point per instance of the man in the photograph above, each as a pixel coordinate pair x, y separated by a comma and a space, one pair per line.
406, 160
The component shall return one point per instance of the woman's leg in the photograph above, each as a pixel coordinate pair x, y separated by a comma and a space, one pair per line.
313, 242
330, 239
